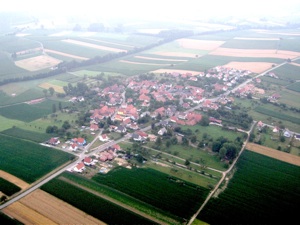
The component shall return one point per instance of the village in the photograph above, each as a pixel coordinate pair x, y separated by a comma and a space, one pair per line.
169, 101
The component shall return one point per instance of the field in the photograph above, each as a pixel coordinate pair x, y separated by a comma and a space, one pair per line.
37, 63
8, 188
39, 207
279, 155
38, 137
27, 160
156, 189
255, 53
93, 204
28, 112
13, 179
261, 186
256, 67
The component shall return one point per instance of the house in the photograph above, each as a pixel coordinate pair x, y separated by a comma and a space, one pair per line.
94, 127
287, 133
53, 141
275, 129
152, 137
79, 168
162, 131
88, 161
80, 141
73, 147
297, 137
136, 137
121, 129
103, 137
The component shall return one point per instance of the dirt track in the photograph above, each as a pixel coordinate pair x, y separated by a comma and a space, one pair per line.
283, 156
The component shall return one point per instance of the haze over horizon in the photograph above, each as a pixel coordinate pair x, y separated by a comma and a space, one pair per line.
155, 9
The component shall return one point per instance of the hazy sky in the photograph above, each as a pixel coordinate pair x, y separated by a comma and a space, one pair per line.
157, 8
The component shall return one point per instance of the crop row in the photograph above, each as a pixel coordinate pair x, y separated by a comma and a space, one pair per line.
262, 190
92, 204
154, 187
278, 115
27, 160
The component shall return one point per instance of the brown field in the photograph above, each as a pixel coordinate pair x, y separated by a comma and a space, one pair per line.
154, 64
26, 215
15, 180
256, 67
257, 39
199, 44
295, 64
176, 54
57, 88
94, 46
272, 53
39, 207
176, 71
283, 156
65, 54
37, 63
162, 59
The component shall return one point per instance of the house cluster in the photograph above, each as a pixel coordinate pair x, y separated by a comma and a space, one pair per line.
76, 99
76, 143
108, 154
285, 132
183, 118
87, 161
113, 94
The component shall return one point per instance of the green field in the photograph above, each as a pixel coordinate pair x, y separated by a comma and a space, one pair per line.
4, 219
288, 72
121, 197
294, 87
27, 160
38, 137
157, 189
261, 186
92, 204
8, 188
27, 113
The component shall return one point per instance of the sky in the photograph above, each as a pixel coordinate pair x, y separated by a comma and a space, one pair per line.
157, 8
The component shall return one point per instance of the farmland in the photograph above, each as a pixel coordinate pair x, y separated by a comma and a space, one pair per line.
267, 186
88, 202
149, 189
30, 162
162, 190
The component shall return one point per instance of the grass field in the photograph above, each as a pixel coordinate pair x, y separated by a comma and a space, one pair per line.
261, 186
27, 160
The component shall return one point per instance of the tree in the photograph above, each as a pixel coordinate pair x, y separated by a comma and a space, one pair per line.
51, 91
60, 106
158, 141
204, 121
193, 139
187, 162
54, 108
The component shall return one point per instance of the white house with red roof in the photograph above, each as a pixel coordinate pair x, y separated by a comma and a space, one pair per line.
79, 168
103, 137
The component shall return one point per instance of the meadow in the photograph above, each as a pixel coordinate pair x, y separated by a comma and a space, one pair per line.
38, 137
27, 160
261, 186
